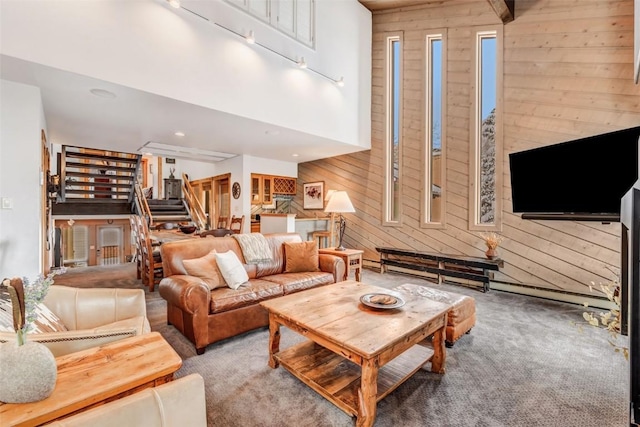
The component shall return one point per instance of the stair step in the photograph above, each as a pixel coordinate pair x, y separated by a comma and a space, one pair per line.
166, 208
115, 159
93, 166
99, 175
162, 202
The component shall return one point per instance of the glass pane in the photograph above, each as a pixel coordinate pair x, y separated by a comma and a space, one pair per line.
435, 90
395, 126
487, 147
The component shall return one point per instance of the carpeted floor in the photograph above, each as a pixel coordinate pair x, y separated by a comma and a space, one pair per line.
524, 364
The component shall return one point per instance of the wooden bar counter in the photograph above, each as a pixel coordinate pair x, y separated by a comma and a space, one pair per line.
98, 375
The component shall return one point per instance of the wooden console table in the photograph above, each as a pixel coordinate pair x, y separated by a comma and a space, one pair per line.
98, 375
459, 266
352, 259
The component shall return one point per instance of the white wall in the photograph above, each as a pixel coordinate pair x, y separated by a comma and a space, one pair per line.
21, 119
148, 45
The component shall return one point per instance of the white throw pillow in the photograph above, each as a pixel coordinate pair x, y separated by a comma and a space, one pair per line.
231, 269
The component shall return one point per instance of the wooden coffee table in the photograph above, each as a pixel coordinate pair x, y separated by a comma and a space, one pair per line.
355, 355
99, 375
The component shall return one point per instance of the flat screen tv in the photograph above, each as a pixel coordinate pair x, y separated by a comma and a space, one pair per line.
580, 178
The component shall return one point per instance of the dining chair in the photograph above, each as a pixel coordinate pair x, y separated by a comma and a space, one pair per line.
222, 222
236, 224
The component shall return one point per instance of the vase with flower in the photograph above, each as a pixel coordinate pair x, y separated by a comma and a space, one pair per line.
492, 240
29, 369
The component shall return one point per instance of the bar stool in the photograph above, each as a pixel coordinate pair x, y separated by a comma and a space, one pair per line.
322, 237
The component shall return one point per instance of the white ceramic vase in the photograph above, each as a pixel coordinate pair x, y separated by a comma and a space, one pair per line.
28, 372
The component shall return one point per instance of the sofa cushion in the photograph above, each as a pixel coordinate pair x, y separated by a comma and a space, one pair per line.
301, 257
206, 268
254, 291
231, 269
294, 282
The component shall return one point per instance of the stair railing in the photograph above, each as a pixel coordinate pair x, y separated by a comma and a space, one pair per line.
198, 215
141, 204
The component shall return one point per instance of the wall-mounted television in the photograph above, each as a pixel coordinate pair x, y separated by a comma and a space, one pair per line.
583, 178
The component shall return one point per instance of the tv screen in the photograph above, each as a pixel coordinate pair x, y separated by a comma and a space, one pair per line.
584, 176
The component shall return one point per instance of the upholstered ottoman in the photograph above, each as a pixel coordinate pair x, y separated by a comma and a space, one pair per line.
460, 318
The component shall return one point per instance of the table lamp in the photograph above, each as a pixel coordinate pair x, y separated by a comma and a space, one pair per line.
339, 202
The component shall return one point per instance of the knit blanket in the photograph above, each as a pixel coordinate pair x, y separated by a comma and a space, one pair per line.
255, 248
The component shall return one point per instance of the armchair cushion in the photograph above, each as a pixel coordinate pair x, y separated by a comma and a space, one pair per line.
93, 317
46, 320
206, 268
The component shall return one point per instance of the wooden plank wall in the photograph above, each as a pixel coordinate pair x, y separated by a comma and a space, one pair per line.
568, 73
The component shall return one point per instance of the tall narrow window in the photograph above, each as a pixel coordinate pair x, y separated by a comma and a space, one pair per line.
486, 180
434, 130
393, 141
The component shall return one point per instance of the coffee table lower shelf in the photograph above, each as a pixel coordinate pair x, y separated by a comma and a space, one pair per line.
338, 379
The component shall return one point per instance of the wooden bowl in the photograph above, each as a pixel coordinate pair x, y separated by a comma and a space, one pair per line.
187, 229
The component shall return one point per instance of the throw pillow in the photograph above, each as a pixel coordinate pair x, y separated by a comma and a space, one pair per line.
301, 257
206, 268
46, 320
232, 269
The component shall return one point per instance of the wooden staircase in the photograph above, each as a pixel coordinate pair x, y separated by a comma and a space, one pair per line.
172, 210
95, 182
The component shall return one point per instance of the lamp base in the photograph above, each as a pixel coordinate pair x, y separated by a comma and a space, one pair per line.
340, 248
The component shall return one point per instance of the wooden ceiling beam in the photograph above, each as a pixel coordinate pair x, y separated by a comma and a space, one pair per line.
504, 9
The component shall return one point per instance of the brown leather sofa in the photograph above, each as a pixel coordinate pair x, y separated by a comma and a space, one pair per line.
206, 316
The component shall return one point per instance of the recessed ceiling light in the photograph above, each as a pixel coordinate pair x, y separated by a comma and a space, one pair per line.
174, 3
179, 133
102, 93
295, 155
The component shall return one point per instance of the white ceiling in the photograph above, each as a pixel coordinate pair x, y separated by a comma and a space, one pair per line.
125, 123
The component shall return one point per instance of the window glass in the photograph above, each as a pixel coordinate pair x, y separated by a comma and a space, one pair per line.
486, 133
393, 133
434, 167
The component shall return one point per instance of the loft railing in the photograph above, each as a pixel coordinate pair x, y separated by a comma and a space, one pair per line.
198, 215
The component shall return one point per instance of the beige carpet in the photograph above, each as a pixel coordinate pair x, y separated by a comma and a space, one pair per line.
524, 364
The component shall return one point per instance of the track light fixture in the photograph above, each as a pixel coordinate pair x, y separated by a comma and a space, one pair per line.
251, 39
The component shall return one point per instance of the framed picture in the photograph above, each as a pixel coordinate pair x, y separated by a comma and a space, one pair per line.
313, 195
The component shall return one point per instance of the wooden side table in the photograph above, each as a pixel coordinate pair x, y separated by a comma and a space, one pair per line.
352, 259
94, 376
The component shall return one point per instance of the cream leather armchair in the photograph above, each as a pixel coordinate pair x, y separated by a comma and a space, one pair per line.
174, 404
92, 316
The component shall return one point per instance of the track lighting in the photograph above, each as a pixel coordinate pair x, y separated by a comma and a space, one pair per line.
251, 39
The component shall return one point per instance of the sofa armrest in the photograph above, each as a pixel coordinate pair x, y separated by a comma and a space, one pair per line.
188, 293
81, 308
332, 264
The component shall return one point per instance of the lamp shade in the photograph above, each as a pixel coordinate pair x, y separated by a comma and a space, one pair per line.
339, 202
